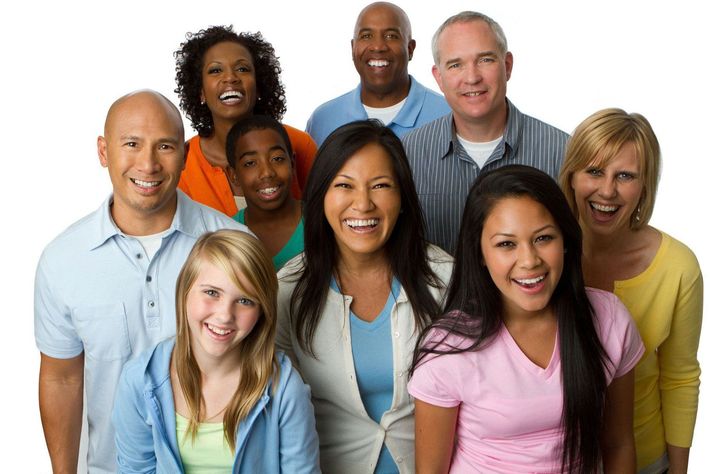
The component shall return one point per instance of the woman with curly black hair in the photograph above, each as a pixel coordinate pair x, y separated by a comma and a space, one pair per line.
223, 76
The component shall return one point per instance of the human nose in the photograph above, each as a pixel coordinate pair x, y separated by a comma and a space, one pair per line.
472, 74
148, 161
231, 76
607, 189
528, 257
266, 170
362, 201
378, 43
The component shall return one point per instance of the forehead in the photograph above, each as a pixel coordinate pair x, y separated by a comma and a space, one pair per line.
144, 115
380, 17
261, 137
369, 161
516, 215
624, 155
227, 51
221, 273
470, 37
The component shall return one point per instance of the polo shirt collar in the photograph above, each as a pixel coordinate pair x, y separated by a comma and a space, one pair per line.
187, 220
407, 115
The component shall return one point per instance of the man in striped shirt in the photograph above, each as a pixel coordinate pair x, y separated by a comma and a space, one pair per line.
472, 65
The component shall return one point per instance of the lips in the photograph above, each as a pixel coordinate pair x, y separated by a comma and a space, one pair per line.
270, 192
378, 63
531, 284
146, 185
231, 97
217, 332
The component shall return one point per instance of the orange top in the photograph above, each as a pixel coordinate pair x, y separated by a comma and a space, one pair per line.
209, 185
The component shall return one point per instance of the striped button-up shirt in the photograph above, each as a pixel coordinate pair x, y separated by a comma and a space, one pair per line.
443, 171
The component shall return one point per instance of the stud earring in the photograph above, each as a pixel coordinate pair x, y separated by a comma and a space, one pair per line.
638, 214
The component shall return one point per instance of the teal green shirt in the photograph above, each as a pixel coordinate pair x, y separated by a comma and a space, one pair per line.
209, 453
293, 247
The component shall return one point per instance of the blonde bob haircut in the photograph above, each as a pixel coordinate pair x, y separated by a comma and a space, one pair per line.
243, 258
598, 139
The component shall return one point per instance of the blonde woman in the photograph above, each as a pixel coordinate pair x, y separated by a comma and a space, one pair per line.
217, 397
610, 176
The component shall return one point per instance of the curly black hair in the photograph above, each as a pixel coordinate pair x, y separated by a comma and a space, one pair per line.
189, 63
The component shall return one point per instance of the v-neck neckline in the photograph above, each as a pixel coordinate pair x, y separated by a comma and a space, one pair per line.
530, 366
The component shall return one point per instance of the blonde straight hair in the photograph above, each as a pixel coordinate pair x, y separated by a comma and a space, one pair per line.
239, 255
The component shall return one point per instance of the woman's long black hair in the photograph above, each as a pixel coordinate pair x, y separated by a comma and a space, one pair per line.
474, 308
406, 248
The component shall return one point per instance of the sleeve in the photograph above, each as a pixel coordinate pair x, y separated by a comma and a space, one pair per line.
629, 349
304, 150
135, 449
678, 360
283, 315
298, 448
436, 380
55, 334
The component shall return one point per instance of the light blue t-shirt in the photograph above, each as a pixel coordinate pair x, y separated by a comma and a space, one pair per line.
422, 106
96, 292
372, 357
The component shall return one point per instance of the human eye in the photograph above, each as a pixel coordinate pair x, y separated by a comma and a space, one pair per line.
131, 144
166, 147
505, 244
248, 163
365, 36
243, 69
244, 301
382, 185
392, 36
454, 66
487, 59
214, 70
211, 292
278, 158
342, 184
545, 238
626, 176
591, 171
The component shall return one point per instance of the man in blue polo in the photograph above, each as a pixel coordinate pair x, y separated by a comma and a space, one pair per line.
105, 287
484, 131
382, 47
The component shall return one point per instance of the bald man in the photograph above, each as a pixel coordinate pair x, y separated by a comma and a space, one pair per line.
382, 47
105, 287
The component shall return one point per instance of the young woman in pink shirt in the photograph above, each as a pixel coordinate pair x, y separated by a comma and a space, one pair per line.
527, 371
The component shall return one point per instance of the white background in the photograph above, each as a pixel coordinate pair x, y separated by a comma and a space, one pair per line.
63, 63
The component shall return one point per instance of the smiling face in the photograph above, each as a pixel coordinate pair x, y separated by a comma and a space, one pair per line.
143, 149
263, 169
382, 48
229, 81
473, 73
607, 196
523, 250
219, 313
362, 203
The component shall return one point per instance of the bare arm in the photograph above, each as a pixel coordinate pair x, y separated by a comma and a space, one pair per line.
61, 399
435, 428
618, 441
678, 459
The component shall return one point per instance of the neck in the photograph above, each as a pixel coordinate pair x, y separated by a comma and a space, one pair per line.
596, 244
290, 209
134, 222
214, 146
388, 98
481, 130
222, 367
358, 264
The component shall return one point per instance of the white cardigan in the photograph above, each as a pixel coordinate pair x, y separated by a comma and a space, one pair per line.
350, 441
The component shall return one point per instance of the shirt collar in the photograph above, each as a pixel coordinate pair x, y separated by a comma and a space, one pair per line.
187, 220
407, 115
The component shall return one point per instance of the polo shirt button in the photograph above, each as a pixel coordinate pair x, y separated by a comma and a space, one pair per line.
400, 460
139, 256
151, 303
148, 278
396, 334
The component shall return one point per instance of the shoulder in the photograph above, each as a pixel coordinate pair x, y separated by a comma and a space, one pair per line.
679, 255
290, 382
209, 218
78, 236
440, 262
537, 127
611, 318
429, 136
332, 106
292, 270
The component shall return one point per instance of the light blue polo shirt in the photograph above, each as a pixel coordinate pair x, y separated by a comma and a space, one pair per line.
97, 292
422, 106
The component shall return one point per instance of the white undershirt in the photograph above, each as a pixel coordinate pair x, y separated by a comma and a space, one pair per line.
384, 114
479, 151
151, 243
241, 202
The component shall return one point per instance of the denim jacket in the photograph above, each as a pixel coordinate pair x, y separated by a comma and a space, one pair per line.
278, 434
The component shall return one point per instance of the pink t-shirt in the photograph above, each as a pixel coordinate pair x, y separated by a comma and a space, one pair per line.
509, 408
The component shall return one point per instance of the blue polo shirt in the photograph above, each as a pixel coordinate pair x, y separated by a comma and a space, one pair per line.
422, 106
97, 292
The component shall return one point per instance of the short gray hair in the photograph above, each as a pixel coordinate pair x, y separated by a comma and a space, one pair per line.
468, 17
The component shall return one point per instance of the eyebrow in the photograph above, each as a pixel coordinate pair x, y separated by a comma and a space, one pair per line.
375, 178
212, 287
254, 152
505, 234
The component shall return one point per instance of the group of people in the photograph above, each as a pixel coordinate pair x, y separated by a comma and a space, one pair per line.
416, 282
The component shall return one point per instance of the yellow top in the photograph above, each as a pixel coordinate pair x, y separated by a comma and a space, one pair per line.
666, 301
209, 454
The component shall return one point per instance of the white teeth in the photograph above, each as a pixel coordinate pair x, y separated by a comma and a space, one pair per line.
269, 190
473, 94
231, 95
378, 63
216, 330
603, 208
530, 281
146, 184
361, 222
